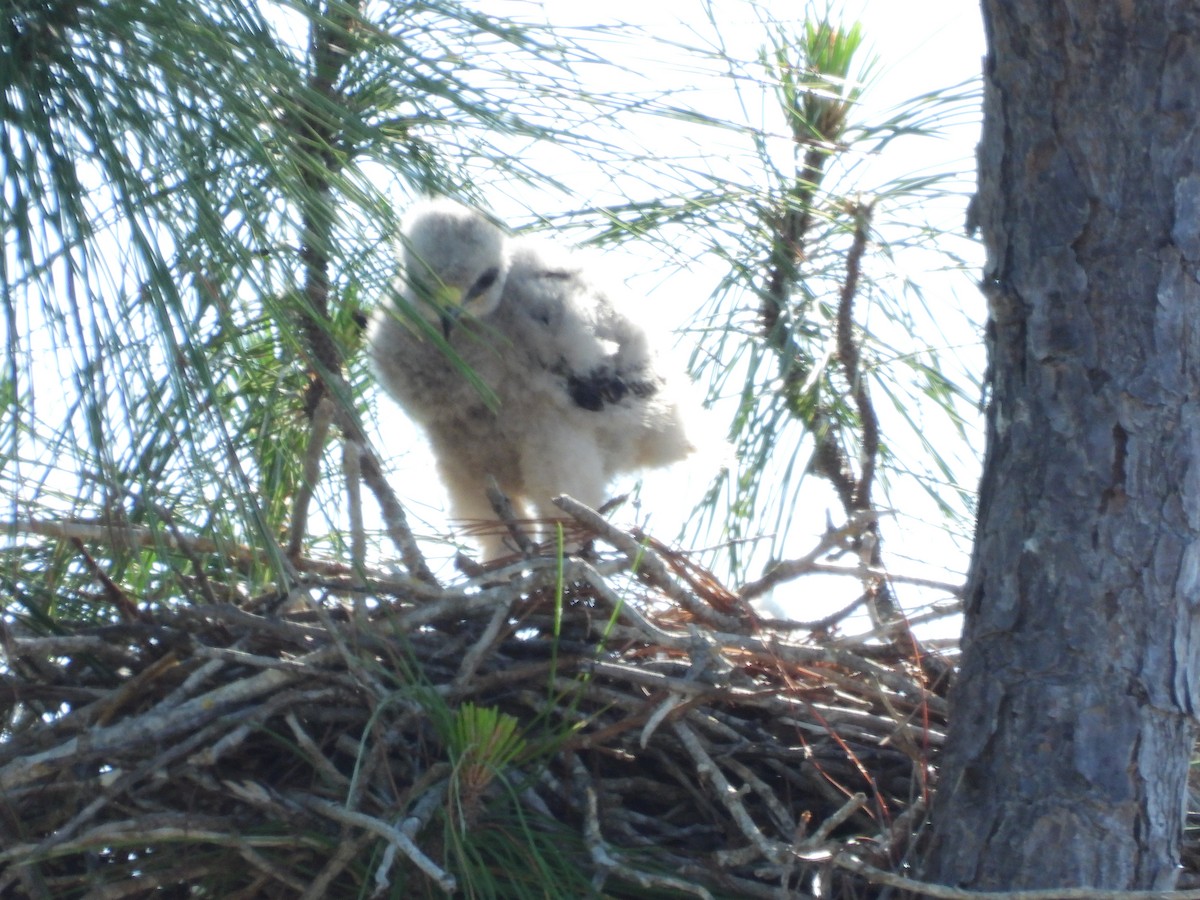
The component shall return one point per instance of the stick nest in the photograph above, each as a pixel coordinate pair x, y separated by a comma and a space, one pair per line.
618, 725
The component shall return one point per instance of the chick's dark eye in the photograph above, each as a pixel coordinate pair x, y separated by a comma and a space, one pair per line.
483, 282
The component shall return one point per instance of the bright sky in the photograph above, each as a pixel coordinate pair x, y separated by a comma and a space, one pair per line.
922, 46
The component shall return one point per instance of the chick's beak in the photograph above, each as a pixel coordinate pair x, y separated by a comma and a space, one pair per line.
449, 308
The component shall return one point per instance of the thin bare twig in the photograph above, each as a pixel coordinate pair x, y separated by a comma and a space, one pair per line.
352, 472
606, 863
725, 793
943, 892
832, 539
394, 518
502, 507
394, 836
318, 433
645, 563
239, 557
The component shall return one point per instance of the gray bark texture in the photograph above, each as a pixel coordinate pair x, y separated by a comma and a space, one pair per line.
1072, 719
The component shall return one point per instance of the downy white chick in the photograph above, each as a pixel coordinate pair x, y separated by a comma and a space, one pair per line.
577, 390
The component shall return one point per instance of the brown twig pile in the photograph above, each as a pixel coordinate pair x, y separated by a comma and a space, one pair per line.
662, 741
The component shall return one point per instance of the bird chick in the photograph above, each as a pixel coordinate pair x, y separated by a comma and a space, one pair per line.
566, 390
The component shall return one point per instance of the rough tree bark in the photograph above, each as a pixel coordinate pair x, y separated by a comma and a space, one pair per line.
1072, 718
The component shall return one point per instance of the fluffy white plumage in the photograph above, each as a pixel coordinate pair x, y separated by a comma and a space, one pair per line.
580, 390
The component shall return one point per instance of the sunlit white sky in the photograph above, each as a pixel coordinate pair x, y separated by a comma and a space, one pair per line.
668, 47
922, 46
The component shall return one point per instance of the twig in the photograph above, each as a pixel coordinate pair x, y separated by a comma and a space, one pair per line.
833, 538
21, 647
146, 883
352, 472
394, 519
394, 836
113, 591
264, 865
254, 660
150, 727
783, 819
788, 246
850, 358
821, 835
730, 798
238, 557
502, 507
424, 808
350, 849
865, 572
656, 718
645, 563
412, 824
840, 658
150, 830
603, 859
354, 665
578, 569
276, 629
321, 765
318, 144
206, 589
318, 432
473, 657
123, 783
238, 728
943, 892
817, 626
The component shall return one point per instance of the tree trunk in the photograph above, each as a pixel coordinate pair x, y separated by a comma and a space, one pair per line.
1071, 728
